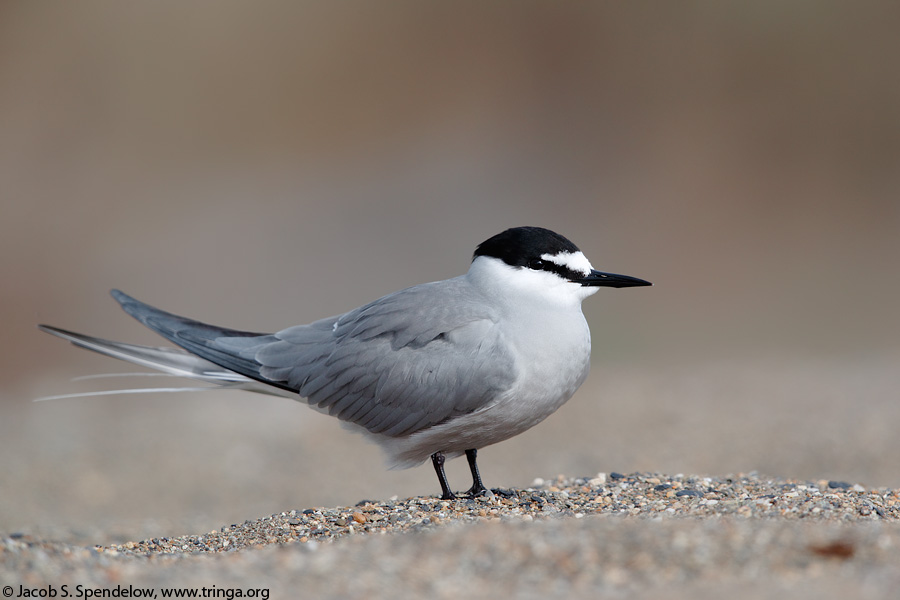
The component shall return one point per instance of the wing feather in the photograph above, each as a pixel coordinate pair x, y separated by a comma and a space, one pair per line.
402, 363
405, 362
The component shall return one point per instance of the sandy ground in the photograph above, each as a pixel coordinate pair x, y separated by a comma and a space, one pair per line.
613, 535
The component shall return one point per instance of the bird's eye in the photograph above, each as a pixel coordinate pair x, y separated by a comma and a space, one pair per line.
536, 264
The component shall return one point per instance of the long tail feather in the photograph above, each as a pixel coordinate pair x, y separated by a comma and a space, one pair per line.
160, 390
168, 361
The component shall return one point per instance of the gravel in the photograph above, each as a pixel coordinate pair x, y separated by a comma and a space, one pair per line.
614, 534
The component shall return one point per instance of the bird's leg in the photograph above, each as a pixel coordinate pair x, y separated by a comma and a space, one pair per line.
477, 488
437, 459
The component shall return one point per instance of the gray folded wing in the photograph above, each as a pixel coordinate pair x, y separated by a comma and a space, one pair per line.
198, 338
405, 362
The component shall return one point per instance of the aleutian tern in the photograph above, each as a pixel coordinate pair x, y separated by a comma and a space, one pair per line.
436, 370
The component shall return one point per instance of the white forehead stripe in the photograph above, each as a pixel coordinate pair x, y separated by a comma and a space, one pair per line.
575, 261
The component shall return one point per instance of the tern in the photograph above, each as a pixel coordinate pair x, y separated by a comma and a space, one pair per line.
434, 371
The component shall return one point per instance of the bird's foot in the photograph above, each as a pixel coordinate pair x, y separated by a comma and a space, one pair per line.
477, 491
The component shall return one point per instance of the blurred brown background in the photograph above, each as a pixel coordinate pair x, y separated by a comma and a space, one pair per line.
263, 164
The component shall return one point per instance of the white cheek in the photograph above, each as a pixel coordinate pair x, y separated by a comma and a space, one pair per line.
550, 288
517, 286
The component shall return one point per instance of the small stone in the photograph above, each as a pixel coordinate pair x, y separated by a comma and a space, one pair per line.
359, 517
692, 493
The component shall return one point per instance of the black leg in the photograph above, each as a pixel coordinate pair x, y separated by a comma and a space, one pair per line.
477, 488
437, 459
